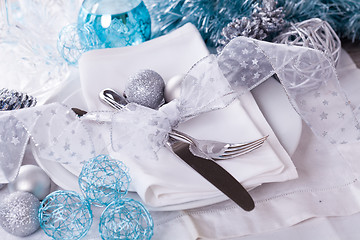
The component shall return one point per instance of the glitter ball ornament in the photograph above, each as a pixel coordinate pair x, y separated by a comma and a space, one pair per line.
146, 88
31, 179
103, 180
19, 213
65, 215
126, 219
74, 40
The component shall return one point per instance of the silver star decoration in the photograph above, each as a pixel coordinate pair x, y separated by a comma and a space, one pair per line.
256, 75
323, 115
15, 141
67, 146
243, 64
255, 62
258, 50
325, 102
341, 115
245, 51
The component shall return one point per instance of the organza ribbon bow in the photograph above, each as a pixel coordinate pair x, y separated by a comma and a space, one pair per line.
308, 77
141, 131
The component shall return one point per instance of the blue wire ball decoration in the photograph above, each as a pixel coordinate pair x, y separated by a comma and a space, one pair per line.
65, 215
76, 39
103, 180
126, 219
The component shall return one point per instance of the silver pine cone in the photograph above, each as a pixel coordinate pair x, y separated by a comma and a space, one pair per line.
11, 100
264, 22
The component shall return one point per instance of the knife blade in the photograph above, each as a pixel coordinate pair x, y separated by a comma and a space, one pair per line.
215, 174
210, 170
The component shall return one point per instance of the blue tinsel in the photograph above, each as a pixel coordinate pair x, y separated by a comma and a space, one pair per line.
210, 16
342, 15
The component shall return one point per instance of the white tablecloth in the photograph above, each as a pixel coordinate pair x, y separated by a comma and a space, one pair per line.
324, 203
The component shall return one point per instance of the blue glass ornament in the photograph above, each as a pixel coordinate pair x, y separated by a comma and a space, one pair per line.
117, 23
126, 219
65, 215
103, 180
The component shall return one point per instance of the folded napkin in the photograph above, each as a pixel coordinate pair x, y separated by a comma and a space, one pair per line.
169, 183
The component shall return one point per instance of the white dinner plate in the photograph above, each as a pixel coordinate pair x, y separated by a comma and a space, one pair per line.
270, 97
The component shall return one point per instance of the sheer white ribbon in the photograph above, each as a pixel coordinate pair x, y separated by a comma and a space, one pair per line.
307, 75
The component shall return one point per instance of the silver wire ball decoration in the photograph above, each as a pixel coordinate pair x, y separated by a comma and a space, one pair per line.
76, 39
12, 99
19, 213
65, 215
126, 219
103, 180
313, 33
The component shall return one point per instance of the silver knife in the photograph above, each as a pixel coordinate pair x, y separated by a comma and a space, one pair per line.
215, 174
210, 170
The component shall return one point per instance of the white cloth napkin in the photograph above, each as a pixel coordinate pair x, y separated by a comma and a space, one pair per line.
169, 184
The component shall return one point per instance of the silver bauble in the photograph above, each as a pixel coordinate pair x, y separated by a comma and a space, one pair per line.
146, 88
173, 88
31, 179
19, 213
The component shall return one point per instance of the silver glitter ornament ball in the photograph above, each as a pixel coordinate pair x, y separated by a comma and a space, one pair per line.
19, 213
31, 179
146, 88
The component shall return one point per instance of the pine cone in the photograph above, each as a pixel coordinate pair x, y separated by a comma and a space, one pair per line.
11, 100
265, 21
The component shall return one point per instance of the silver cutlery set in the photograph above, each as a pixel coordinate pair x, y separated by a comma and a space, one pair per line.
202, 155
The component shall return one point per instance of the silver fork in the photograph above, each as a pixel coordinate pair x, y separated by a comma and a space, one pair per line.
217, 150
204, 148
